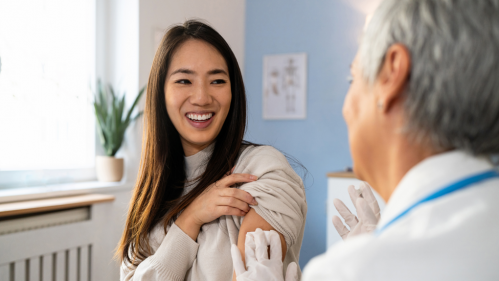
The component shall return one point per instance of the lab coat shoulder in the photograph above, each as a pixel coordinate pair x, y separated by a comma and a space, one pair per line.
342, 261
368, 257
454, 238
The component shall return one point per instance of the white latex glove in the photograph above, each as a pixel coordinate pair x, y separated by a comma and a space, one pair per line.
260, 267
367, 211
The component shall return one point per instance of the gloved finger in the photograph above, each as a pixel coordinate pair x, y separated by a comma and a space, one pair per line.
354, 193
291, 272
275, 246
349, 218
237, 261
340, 227
249, 248
368, 194
366, 215
260, 245
267, 236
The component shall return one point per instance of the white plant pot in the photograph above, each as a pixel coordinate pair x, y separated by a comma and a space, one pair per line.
109, 168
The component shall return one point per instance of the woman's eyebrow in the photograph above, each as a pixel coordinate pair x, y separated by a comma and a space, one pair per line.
188, 71
217, 71
183, 70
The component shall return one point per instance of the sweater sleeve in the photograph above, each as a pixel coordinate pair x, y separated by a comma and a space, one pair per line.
170, 262
279, 190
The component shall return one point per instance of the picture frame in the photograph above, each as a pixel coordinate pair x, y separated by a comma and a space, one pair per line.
285, 86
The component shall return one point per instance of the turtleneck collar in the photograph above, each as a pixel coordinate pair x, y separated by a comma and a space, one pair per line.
196, 164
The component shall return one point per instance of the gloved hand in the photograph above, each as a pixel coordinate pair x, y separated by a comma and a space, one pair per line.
367, 211
260, 267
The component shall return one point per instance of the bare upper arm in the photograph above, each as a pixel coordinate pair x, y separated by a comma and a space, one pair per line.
251, 222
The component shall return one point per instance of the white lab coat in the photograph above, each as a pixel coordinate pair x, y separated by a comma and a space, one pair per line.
455, 237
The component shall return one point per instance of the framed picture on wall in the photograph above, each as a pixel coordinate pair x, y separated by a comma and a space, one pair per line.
285, 86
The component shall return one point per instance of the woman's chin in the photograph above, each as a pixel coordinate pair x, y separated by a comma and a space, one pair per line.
200, 141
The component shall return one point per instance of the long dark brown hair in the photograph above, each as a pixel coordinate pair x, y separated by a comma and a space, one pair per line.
157, 194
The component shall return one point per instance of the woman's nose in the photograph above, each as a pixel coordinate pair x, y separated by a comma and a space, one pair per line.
201, 96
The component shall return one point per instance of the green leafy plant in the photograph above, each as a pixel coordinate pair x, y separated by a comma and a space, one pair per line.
111, 118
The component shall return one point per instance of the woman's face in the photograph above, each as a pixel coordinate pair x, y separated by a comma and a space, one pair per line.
359, 113
198, 94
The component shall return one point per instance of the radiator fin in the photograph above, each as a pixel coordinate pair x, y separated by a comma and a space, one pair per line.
66, 265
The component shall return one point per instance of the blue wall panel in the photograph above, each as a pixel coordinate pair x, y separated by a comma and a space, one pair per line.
328, 31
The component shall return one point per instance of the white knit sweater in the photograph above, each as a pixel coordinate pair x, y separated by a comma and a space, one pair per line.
281, 202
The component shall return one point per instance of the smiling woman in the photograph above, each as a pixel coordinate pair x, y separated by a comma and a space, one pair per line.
199, 179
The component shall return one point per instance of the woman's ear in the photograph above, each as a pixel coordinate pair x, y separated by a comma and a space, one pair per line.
393, 76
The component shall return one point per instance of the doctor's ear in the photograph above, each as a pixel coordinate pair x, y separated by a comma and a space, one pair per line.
393, 76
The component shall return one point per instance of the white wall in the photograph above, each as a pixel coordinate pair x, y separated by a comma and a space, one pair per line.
226, 16
118, 42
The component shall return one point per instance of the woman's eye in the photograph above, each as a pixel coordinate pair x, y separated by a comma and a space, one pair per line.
183, 81
219, 81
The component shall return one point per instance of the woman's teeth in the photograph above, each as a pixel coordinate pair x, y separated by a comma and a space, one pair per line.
199, 117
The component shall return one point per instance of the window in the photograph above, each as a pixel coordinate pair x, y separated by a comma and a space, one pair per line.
47, 71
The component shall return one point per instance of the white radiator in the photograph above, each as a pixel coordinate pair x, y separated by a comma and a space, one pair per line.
75, 245
67, 265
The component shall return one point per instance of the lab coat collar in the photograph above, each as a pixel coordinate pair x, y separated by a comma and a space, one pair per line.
429, 176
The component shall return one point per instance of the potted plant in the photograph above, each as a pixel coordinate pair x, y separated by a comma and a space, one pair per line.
112, 120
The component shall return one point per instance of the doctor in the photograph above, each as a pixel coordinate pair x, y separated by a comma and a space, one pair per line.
423, 119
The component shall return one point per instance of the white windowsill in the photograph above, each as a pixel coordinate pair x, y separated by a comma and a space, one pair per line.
58, 190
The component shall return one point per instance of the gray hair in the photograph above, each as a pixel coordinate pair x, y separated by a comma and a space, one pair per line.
452, 96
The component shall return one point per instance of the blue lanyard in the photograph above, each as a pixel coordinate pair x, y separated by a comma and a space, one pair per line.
466, 182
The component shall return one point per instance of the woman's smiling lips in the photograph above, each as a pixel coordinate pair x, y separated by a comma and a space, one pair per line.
200, 120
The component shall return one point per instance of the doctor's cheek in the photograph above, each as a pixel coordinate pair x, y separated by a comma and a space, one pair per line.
347, 110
